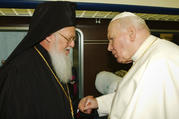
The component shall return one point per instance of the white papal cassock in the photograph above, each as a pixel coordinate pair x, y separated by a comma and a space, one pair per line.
150, 89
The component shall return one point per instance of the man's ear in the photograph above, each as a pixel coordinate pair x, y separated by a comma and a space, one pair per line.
47, 42
132, 33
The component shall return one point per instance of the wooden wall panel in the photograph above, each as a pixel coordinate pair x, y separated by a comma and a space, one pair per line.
96, 56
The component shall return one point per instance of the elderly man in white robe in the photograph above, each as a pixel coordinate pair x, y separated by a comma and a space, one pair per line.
150, 89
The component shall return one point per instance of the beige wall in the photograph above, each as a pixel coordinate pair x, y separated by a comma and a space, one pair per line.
157, 3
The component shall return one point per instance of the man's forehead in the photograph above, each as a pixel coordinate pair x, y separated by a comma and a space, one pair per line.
112, 26
109, 34
70, 28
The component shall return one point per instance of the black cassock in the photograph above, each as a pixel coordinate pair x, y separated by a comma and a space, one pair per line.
28, 90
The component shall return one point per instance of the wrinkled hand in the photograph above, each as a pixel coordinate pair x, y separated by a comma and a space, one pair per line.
87, 104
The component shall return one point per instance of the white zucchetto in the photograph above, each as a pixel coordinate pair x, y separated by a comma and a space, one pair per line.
106, 82
122, 15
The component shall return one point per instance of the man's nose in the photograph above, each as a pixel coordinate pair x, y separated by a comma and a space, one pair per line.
72, 44
110, 47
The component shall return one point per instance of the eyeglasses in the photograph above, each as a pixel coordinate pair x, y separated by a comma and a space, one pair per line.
69, 40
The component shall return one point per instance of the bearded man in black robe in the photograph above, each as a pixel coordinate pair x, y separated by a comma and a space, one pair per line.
33, 80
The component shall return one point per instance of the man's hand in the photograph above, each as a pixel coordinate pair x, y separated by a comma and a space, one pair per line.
87, 104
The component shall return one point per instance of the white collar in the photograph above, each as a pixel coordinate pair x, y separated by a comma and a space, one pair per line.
145, 45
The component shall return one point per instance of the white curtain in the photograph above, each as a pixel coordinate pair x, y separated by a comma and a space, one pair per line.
8, 42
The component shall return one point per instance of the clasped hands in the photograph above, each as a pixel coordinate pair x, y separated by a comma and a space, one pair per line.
87, 104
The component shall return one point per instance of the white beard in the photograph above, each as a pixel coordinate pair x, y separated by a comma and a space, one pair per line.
61, 64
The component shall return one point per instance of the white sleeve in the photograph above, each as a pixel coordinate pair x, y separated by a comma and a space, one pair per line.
104, 104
